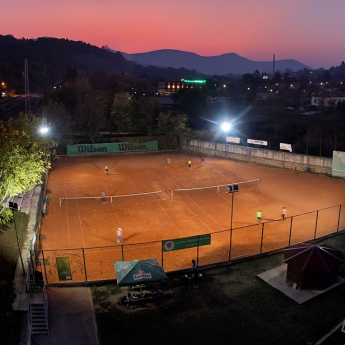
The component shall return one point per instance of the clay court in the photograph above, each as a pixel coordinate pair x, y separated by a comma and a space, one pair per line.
85, 230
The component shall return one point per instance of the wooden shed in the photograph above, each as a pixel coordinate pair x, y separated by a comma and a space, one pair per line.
312, 266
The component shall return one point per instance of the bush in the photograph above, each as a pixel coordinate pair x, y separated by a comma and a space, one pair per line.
6, 216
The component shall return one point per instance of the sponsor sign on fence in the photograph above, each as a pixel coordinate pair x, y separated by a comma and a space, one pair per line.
87, 149
233, 140
286, 147
187, 242
257, 142
63, 268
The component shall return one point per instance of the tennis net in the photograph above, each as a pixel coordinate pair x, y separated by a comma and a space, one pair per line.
115, 198
223, 188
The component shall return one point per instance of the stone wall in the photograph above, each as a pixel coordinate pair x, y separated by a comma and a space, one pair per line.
319, 165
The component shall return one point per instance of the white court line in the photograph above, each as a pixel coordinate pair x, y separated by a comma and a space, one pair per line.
200, 207
162, 227
69, 238
81, 228
117, 218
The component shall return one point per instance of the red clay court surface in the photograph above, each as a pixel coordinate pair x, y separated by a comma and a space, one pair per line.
90, 224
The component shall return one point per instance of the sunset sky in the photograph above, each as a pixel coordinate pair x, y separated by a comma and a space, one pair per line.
310, 31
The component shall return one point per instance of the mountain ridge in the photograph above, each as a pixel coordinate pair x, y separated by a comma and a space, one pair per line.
228, 63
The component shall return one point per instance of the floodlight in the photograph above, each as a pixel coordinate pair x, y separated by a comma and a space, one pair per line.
226, 126
44, 129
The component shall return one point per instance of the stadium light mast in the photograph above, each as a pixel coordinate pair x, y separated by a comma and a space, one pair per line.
226, 127
232, 189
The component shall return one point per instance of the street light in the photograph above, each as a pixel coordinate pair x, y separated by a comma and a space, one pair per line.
14, 207
232, 189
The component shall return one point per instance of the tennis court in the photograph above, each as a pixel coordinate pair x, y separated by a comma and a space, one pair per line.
79, 225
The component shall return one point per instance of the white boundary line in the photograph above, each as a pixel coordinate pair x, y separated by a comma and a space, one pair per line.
69, 237
81, 227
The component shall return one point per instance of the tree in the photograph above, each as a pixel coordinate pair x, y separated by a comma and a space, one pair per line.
22, 155
90, 112
121, 112
59, 119
174, 127
191, 101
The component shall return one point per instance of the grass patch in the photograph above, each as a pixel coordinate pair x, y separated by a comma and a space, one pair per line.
11, 321
231, 306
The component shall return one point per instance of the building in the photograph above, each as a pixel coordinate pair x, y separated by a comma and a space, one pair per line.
327, 97
167, 88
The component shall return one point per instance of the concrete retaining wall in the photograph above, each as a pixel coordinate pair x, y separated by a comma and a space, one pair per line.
319, 165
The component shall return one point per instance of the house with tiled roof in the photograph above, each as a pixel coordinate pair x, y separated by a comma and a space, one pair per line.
327, 97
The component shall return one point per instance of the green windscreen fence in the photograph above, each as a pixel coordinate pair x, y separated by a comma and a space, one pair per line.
338, 167
87, 149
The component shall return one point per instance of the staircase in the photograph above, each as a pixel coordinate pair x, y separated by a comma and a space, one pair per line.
39, 312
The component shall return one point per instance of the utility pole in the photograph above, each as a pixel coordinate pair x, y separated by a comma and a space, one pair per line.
274, 63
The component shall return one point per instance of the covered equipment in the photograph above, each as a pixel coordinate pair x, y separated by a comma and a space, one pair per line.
312, 266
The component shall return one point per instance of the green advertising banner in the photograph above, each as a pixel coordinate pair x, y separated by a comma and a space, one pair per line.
88, 149
187, 242
64, 270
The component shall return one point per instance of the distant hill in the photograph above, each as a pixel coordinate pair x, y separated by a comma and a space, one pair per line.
50, 58
230, 63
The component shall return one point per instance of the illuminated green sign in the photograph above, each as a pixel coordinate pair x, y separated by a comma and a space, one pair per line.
195, 81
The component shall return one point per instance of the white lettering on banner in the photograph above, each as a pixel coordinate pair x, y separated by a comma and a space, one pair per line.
257, 142
233, 140
142, 276
286, 147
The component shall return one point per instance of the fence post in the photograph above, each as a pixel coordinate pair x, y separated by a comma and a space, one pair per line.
262, 236
122, 252
230, 244
290, 232
317, 216
197, 254
162, 254
84, 265
44, 265
339, 217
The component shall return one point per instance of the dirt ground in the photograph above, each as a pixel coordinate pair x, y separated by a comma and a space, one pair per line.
85, 230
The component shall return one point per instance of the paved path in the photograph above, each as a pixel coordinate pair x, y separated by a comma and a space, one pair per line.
71, 317
71, 312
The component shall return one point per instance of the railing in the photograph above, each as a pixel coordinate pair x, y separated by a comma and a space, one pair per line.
45, 301
29, 331
97, 263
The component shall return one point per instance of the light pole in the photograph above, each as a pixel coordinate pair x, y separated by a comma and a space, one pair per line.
44, 130
14, 207
232, 189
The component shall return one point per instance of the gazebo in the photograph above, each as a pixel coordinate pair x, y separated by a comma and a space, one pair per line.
312, 266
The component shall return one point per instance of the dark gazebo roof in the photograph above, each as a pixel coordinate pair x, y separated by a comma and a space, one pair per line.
313, 257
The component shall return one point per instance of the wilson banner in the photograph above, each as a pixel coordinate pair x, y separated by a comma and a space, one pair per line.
91, 149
